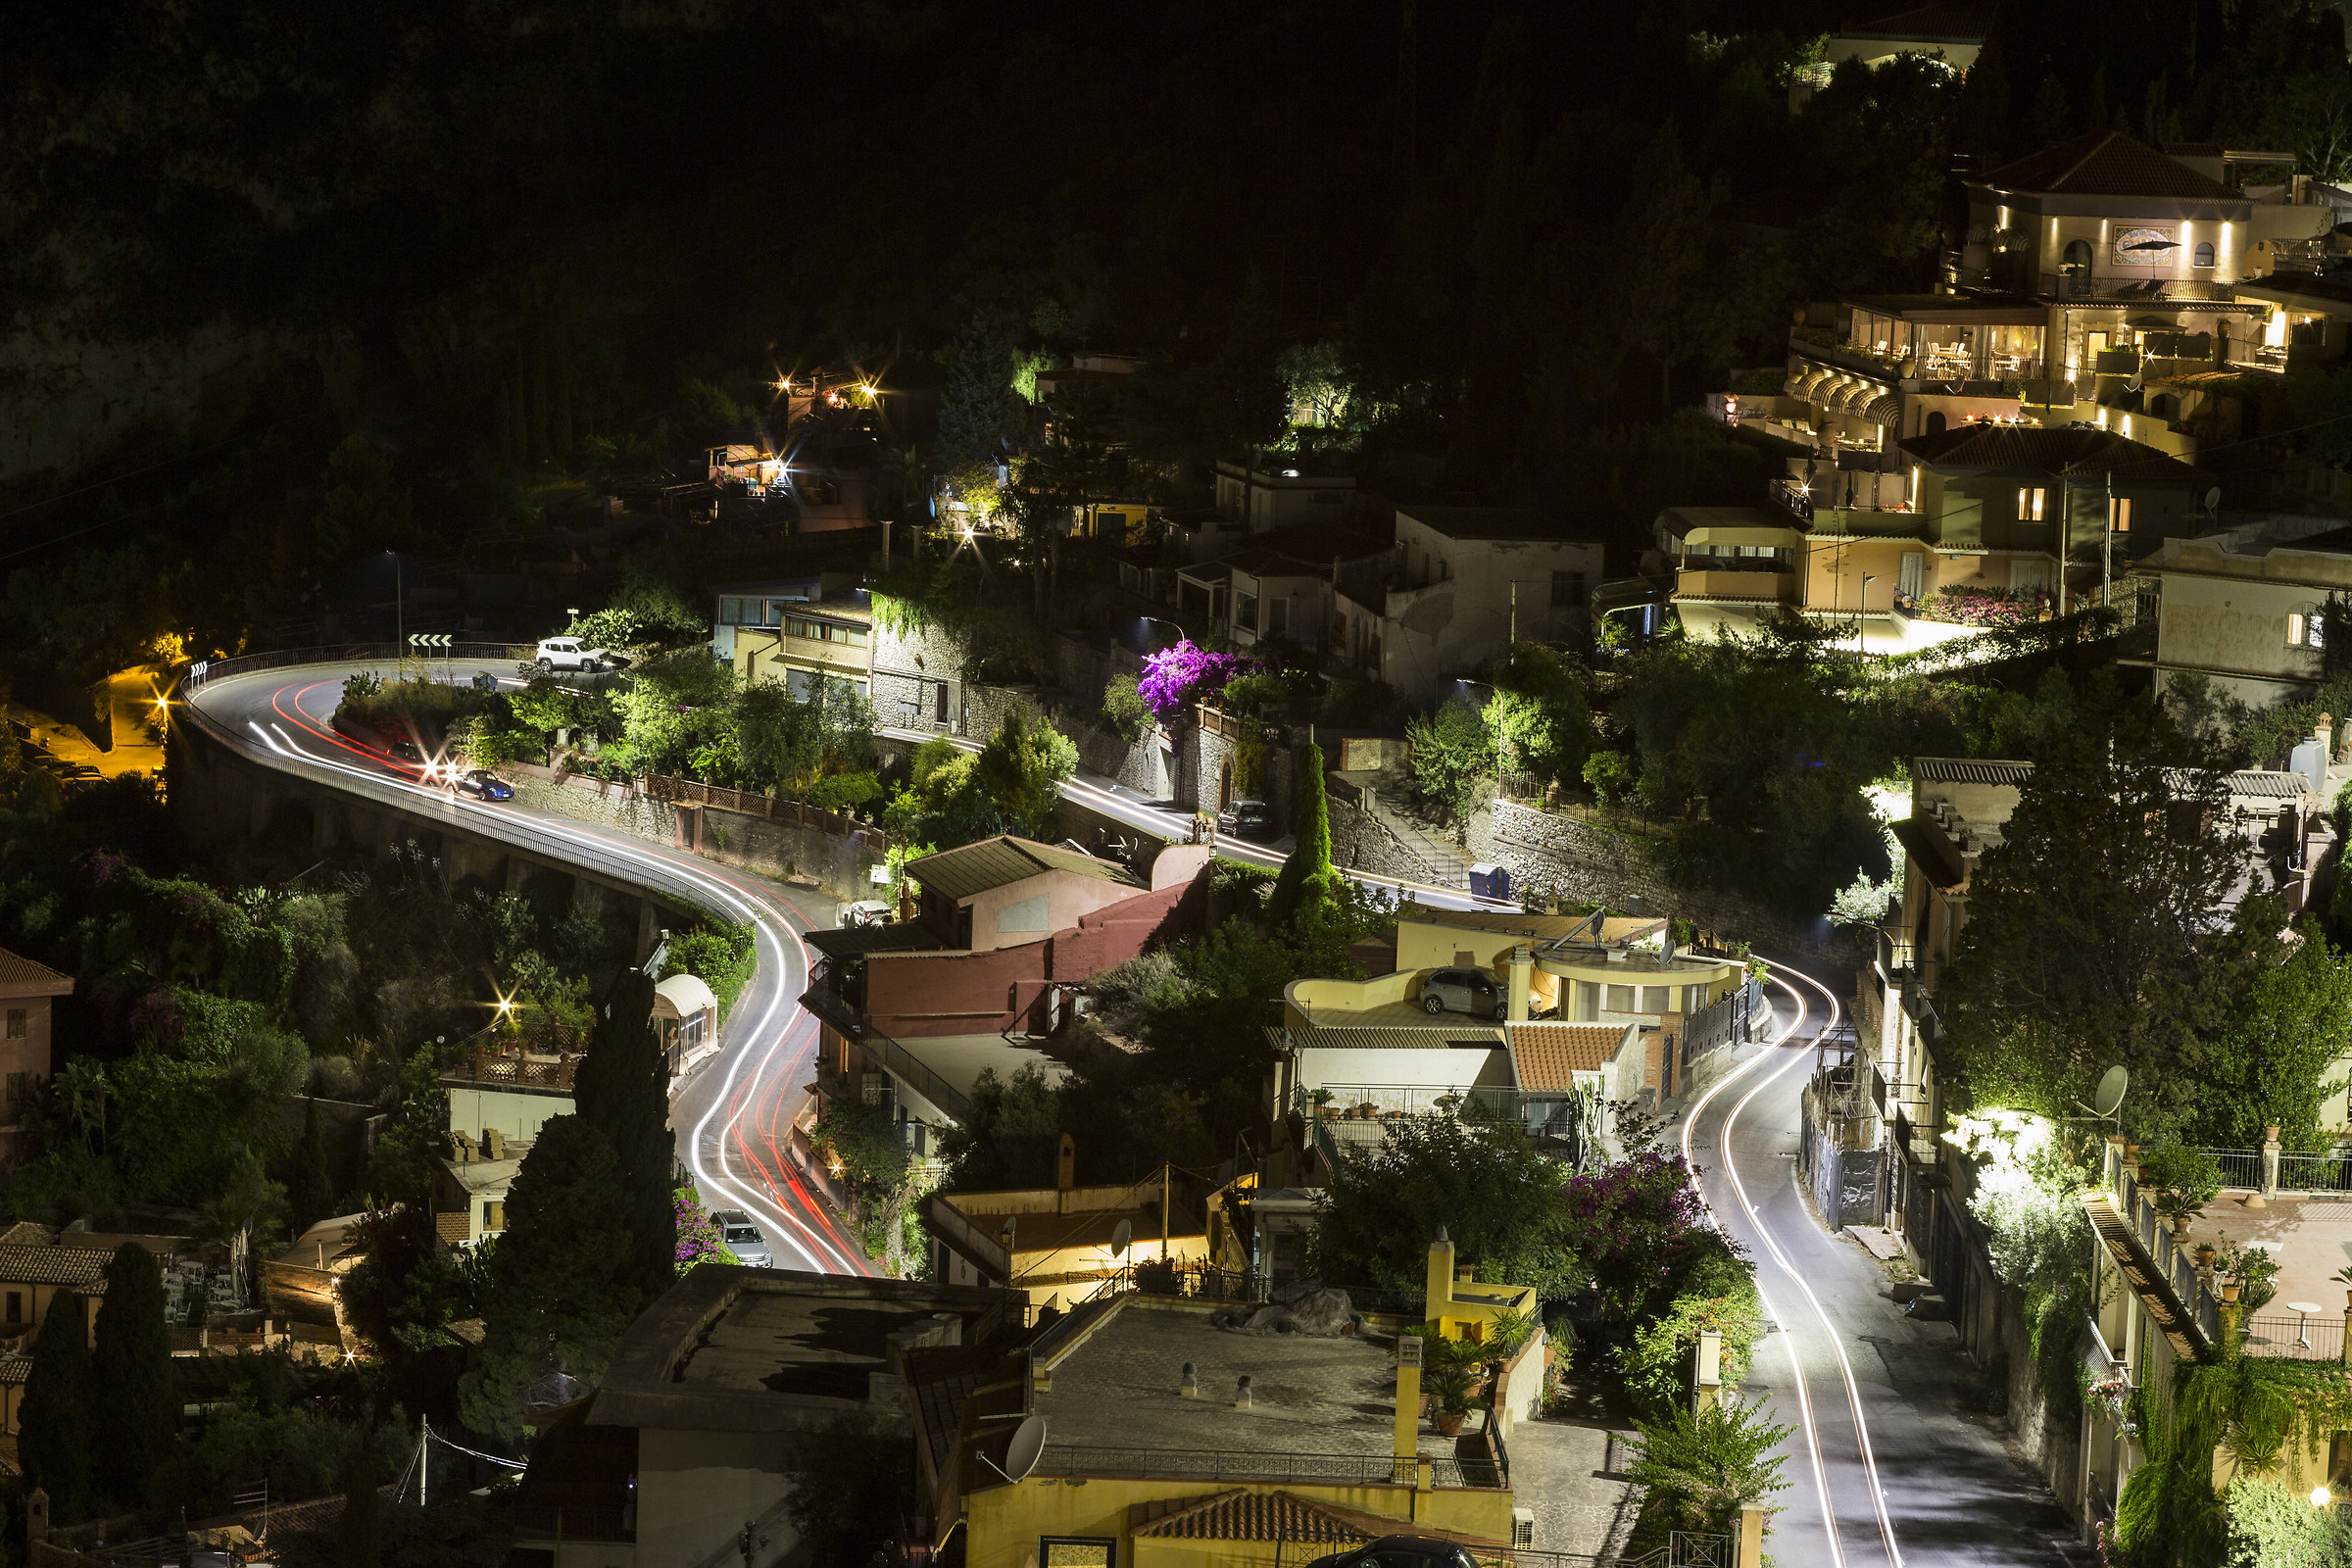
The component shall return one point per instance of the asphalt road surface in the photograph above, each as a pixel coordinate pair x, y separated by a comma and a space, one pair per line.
1889, 1462
733, 1112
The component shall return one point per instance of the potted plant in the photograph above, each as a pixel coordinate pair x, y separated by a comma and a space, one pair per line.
2183, 1179
1448, 1376
2254, 1268
2343, 1276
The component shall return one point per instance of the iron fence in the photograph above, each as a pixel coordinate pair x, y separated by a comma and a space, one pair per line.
2240, 1167
2296, 1337
1225, 1464
2315, 1173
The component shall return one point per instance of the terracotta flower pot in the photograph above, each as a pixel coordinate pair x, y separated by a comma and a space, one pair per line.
1449, 1421
2180, 1224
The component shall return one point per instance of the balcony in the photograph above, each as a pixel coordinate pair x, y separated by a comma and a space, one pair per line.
1758, 584
2130, 290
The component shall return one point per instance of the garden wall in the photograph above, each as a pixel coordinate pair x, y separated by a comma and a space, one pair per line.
909, 670
606, 804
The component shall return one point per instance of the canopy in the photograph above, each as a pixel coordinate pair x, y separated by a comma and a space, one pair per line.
685, 996
1884, 409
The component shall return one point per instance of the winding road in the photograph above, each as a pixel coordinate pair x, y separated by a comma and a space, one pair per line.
1888, 1464
733, 1112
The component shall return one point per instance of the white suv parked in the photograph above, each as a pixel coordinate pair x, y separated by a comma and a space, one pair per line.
568, 653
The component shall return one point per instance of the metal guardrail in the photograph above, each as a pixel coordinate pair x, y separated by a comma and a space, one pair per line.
2315, 1173
2240, 1167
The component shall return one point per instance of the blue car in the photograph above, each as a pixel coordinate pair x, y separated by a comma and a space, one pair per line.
482, 784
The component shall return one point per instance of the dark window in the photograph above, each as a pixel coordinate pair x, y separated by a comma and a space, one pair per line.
2204, 255
1567, 589
16, 1306
1935, 426
2077, 254
939, 712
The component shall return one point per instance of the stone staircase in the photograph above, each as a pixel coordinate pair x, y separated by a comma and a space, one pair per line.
1448, 866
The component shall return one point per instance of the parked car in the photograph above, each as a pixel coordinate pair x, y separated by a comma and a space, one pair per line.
1470, 991
1399, 1551
867, 911
742, 1237
404, 751
482, 784
1248, 819
569, 652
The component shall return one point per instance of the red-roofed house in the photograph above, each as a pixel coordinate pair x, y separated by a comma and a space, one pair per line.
1569, 1071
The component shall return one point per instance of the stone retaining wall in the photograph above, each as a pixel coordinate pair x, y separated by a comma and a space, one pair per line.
1360, 842
1550, 854
599, 801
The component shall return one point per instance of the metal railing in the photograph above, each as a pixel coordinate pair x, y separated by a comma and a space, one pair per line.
2295, 1337
1366, 1102
1194, 1282
751, 802
2240, 1167
2315, 1173
1225, 1464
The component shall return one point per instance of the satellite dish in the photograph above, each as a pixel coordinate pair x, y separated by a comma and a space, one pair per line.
1028, 1446
1120, 1237
2213, 498
2110, 1093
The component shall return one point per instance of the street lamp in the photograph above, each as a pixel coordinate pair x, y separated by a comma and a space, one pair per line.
1154, 620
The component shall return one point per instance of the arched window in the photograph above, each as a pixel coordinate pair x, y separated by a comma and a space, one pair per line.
2077, 254
1935, 426
2204, 253
2164, 406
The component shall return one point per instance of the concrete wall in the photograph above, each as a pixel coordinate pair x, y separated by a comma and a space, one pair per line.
696, 1489
519, 1116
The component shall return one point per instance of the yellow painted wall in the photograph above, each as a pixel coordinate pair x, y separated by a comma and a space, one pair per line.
1004, 1523
1350, 996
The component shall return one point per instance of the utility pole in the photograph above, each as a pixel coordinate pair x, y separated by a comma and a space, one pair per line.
2107, 546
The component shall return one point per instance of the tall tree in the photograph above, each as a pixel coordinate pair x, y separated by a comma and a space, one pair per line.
1307, 874
623, 1092
310, 1188
565, 1279
360, 1533
132, 1366
57, 1425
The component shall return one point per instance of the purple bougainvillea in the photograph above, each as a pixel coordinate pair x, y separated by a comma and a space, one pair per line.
1988, 607
1175, 678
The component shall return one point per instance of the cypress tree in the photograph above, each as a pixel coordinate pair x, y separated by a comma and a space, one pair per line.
360, 1533
1307, 874
57, 1422
311, 1194
132, 1366
622, 1090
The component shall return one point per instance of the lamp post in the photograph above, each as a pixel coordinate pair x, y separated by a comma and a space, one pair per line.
1154, 620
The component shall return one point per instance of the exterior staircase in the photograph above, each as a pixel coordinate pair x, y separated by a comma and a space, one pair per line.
1448, 866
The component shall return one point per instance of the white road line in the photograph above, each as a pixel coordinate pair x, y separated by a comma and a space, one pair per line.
1845, 1367
1796, 1367
757, 913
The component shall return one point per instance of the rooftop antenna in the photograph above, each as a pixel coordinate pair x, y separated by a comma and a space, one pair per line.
1028, 1446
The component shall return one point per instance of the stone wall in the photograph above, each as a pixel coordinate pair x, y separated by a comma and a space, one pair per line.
909, 670
985, 707
842, 867
1551, 854
618, 806
1361, 841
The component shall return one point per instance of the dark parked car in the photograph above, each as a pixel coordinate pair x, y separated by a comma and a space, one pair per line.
1399, 1551
482, 784
1248, 819
1469, 991
404, 751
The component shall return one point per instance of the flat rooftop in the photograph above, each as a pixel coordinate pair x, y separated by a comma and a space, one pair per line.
756, 1349
1116, 1390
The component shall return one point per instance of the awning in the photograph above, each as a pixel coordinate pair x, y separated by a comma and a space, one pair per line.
900, 936
1818, 391
1766, 538
1855, 398
1884, 409
686, 996
1805, 382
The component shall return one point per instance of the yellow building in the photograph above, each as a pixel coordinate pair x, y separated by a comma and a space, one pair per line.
1063, 1244
1159, 1433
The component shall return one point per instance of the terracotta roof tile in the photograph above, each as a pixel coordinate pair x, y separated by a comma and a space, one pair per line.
1003, 861
2074, 450
18, 970
2105, 163
83, 1268
1549, 1055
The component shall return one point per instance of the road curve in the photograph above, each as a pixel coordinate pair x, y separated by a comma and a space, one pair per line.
1889, 1464
732, 1113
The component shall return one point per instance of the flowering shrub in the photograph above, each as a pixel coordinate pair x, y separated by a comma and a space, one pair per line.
1988, 607
698, 1240
1175, 678
2107, 1394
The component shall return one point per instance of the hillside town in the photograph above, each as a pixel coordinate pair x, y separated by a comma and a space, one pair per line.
1285, 801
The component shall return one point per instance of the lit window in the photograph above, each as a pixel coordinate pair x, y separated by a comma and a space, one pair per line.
2119, 513
2030, 503
2303, 627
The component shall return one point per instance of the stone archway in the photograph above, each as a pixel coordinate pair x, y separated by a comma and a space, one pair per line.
1225, 783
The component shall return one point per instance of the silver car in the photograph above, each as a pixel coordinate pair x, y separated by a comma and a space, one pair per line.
1470, 991
742, 1237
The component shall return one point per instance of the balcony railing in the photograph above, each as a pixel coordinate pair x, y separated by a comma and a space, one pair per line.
2295, 1337
1224, 1464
